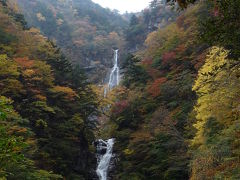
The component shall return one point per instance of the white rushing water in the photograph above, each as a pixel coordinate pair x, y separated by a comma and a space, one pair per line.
115, 75
105, 148
104, 160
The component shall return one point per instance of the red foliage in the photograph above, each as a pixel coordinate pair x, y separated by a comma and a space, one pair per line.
120, 106
154, 89
199, 61
216, 12
147, 62
168, 57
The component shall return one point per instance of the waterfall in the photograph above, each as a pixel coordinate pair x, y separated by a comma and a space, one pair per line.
114, 75
104, 149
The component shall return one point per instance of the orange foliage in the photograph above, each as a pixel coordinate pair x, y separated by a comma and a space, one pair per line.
181, 48
41, 97
16, 129
154, 89
24, 62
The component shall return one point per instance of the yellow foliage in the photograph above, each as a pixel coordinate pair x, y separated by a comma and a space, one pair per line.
218, 90
69, 93
28, 73
163, 40
7, 67
44, 72
128, 151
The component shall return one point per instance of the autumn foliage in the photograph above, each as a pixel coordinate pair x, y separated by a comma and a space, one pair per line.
154, 88
44, 105
168, 58
120, 106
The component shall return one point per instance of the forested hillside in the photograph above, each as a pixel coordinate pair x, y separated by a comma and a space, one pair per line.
84, 30
45, 105
157, 15
176, 115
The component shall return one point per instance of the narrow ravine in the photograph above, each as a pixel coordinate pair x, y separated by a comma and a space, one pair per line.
105, 148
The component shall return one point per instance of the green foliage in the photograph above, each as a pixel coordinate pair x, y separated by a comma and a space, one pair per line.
19, 18
15, 147
6, 38
84, 30
50, 53
153, 126
157, 147
157, 15
221, 27
135, 73
8, 76
54, 138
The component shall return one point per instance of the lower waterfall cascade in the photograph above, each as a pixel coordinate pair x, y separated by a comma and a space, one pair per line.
105, 153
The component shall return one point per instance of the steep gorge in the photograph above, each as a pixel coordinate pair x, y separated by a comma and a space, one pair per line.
174, 114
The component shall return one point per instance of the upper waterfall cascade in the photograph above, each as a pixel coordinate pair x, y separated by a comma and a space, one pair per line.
115, 74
